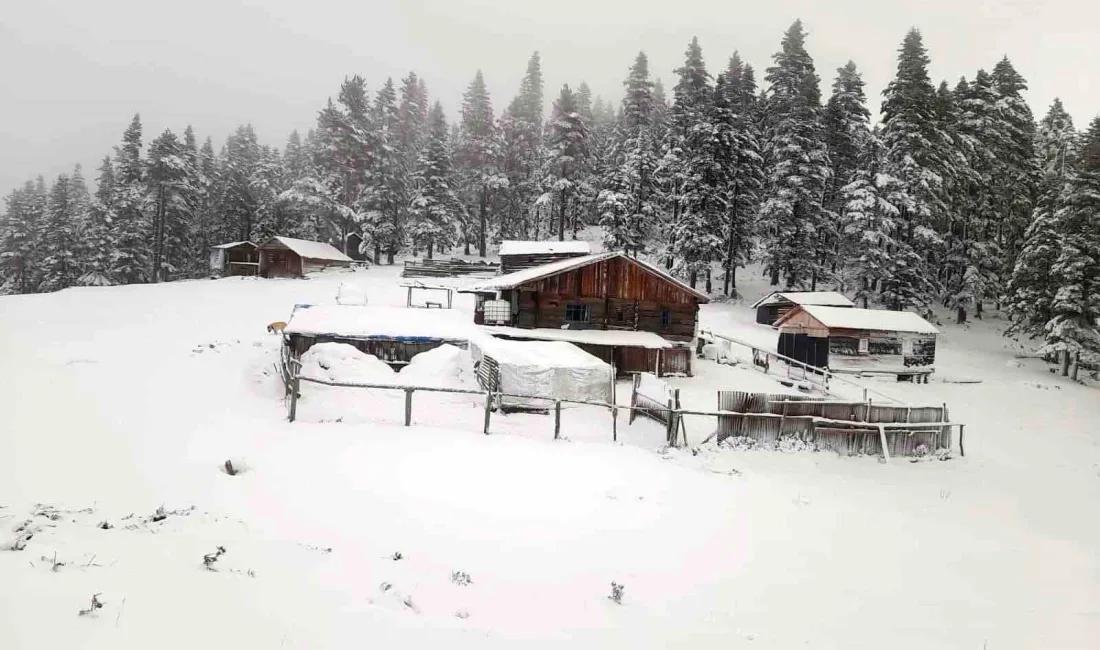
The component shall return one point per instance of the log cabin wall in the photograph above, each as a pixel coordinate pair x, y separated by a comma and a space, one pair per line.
619, 295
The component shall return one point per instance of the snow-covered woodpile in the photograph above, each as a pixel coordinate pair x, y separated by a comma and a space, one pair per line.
447, 268
519, 255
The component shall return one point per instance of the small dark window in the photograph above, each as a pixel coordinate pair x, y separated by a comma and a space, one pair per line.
619, 314
576, 312
666, 317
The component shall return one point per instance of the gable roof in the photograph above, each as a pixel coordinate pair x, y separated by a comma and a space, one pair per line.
513, 280
233, 244
828, 298
864, 319
513, 247
313, 250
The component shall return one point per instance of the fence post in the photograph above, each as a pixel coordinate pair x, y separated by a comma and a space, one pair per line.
614, 423
864, 394
408, 406
557, 419
885, 447
962, 450
293, 398
668, 424
488, 409
633, 398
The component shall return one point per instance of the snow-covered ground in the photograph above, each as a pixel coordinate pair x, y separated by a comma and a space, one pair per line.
117, 401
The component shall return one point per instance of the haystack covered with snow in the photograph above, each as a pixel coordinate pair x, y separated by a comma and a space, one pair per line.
545, 368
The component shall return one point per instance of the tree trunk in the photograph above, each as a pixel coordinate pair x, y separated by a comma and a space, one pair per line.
1065, 363
774, 275
978, 310
694, 276
483, 219
561, 218
1076, 365
813, 280
389, 256
708, 281
428, 250
729, 262
377, 254
960, 317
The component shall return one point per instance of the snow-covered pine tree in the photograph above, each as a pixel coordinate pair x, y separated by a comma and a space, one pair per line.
1073, 328
59, 240
239, 160
389, 186
1016, 179
21, 232
567, 139
846, 133
748, 174
920, 154
168, 178
130, 232
794, 226
436, 210
478, 161
521, 152
96, 240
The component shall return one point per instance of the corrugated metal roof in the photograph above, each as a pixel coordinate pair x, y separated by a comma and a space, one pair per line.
828, 298
234, 243
313, 250
864, 319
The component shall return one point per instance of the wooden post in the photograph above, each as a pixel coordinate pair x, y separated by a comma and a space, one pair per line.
408, 406
294, 384
409, 300
488, 409
657, 365
668, 424
614, 424
864, 394
450, 292
962, 449
885, 447
557, 419
633, 398
675, 415
867, 414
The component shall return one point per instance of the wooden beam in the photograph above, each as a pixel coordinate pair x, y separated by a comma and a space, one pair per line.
885, 447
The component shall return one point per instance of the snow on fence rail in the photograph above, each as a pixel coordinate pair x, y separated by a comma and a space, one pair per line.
655, 399
840, 435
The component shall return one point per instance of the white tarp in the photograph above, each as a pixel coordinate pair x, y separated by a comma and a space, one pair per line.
547, 368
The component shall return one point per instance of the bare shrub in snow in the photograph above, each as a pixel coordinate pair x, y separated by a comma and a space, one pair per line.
616, 593
235, 466
397, 556
95, 604
461, 578
209, 559
104, 525
159, 515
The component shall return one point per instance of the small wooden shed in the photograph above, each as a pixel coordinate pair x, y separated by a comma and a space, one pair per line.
286, 257
519, 255
778, 304
857, 339
234, 258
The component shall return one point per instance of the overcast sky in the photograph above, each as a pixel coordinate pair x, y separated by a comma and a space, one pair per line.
75, 71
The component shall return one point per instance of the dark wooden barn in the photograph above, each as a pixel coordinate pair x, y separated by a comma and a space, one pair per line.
619, 308
778, 304
519, 255
234, 258
286, 257
863, 340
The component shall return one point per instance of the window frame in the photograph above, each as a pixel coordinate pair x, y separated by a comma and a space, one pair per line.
666, 317
572, 307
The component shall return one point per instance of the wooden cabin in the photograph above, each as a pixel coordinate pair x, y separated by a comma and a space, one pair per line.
286, 257
519, 255
234, 258
621, 309
858, 340
778, 304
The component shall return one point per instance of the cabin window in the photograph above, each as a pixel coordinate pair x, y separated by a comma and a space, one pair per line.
666, 317
576, 312
907, 347
864, 346
619, 314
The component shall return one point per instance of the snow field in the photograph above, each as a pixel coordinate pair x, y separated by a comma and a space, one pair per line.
125, 399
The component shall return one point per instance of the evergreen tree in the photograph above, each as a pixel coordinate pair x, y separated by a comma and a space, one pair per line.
131, 255
436, 210
59, 263
97, 234
748, 169
21, 237
521, 156
1072, 330
1016, 177
794, 225
478, 158
846, 134
920, 155
568, 148
386, 229
168, 179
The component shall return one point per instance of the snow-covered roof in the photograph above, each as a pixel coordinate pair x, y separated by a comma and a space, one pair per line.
233, 244
542, 354
518, 278
828, 298
544, 247
620, 338
354, 321
865, 319
313, 250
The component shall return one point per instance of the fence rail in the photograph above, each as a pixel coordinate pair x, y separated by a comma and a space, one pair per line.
842, 435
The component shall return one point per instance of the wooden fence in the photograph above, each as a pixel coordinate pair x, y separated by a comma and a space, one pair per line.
655, 400
447, 268
844, 427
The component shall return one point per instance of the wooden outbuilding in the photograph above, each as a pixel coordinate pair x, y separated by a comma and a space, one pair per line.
286, 257
778, 304
859, 340
519, 255
234, 258
621, 309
